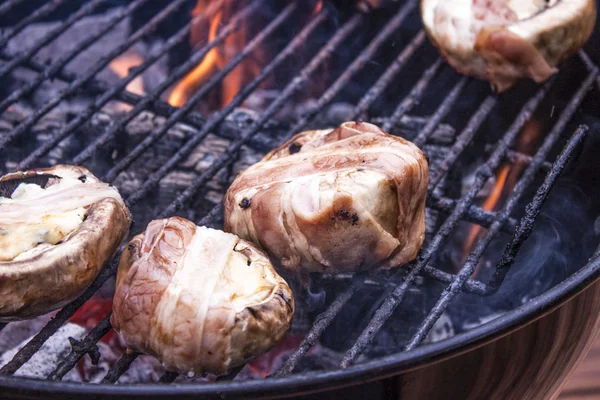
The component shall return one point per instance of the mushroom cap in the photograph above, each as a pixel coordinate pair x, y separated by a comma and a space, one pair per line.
48, 276
504, 40
198, 299
335, 200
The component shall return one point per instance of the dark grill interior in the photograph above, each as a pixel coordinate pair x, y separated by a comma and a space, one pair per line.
424, 98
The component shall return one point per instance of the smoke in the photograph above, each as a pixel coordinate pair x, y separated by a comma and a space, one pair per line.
563, 239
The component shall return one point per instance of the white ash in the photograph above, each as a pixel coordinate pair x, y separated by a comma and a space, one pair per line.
46, 359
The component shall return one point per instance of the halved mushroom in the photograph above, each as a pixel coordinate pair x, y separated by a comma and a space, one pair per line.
504, 40
335, 200
198, 299
58, 227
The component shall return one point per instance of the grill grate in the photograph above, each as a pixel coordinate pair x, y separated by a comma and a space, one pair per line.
459, 210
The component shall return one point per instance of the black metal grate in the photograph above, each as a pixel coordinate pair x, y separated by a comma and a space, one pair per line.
462, 209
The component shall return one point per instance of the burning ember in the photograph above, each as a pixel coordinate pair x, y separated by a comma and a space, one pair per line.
270, 362
506, 179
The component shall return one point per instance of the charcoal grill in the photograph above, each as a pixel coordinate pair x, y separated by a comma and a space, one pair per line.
262, 131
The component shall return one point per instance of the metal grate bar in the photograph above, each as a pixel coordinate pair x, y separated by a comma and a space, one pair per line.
8, 4
413, 98
471, 286
390, 27
156, 176
589, 65
463, 140
52, 69
386, 78
533, 209
16, 60
484, 172
34, 16
156, 134
120, 367
274, 107
80, 349
112, 92
474, 214
146, 101
319, 325
214, 215
29, 122
515, 157
440, 113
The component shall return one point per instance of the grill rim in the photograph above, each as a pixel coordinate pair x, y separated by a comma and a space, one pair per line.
316, 381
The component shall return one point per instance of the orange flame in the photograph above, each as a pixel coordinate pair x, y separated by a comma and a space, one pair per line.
218, 12
234, 80
121, 66
191, 82
488, 205
506, 179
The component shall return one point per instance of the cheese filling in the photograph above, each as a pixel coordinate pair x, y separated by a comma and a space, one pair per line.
34, 215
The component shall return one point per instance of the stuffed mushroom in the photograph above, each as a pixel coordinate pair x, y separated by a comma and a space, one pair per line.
504, 40
58, 227
198, 299
336, 200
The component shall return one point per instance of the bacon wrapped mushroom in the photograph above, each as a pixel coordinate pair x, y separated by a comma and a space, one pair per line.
504, 40
58, 227
198, 299
336, 200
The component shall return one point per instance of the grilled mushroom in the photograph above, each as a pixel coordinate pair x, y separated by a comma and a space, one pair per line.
335, 200
58, 226
198, 299
504, 40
